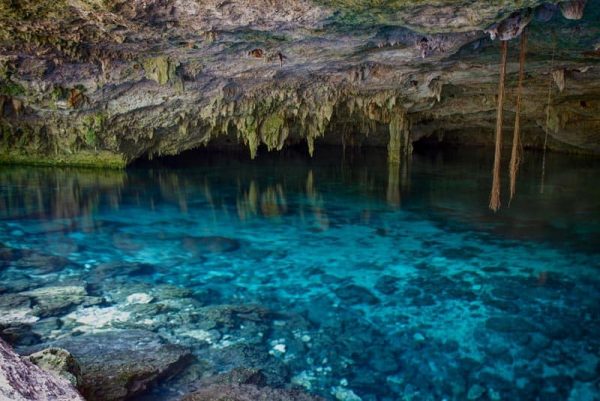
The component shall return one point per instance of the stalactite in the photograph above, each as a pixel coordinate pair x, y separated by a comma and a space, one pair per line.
407, 142
395, 142
399, 142
495, 192
572, 9
559, 78
516, 154
436, 88
548, 113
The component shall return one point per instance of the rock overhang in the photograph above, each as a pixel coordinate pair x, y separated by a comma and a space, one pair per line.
126, 79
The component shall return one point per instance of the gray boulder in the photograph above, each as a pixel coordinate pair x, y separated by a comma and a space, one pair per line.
116, 365
58, 362
20, 380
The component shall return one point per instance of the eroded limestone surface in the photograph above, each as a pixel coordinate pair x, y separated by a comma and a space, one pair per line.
20, 380
104, 82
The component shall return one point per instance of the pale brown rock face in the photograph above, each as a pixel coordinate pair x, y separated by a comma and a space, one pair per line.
93, 82
20, 380
573, 9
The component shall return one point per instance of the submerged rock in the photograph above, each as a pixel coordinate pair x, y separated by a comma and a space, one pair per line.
56, 300
508, 324
387, 284
345, 394
40, 263
124, 270
16, 309
139, 298
247, 392
119, 364
238, 354
355, 294
475, 392
20, 380
210, 244
234, 315
19, 334
95, 318
238, 376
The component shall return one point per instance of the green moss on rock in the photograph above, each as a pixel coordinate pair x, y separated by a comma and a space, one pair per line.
92, 126
102, 159
160, 69
273, 132
10, 88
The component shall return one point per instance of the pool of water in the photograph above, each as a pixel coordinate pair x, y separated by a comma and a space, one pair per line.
338, 274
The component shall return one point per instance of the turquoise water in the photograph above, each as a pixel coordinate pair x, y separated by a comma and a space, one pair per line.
338, 274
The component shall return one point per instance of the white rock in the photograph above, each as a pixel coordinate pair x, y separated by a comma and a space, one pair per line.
21, 315
57, 291
140, 298
200, 335
345, 394
280, 348
97, 317
304, 379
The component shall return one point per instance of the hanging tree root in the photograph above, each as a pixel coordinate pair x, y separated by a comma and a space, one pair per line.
542, 178
517, 149
495, 192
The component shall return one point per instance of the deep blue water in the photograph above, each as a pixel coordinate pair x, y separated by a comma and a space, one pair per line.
380, 283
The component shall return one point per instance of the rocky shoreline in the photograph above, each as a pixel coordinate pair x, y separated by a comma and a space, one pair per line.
21, 380
119, 365
121, 345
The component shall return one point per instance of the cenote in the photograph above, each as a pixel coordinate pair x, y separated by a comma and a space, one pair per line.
340, 275
299, 200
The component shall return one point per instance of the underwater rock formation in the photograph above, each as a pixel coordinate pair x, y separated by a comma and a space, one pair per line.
247, 392
119, 364
243, 384
105, 83
20, 380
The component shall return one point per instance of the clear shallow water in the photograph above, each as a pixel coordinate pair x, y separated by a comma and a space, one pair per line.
383, 284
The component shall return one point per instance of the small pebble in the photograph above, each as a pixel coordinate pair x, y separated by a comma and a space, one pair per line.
280, 348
